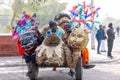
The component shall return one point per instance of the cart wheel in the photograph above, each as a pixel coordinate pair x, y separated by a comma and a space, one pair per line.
79, 70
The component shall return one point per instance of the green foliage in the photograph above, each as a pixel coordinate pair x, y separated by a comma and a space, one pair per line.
48, 10
8, 29
45, 9
17, 7
33, 5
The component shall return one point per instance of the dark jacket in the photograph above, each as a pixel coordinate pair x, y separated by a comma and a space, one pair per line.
40, 38
100, 34
110, 34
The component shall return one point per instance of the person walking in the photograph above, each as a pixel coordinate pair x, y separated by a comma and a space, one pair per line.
110, 40
28, 52
103, 40
99, 37
117, 30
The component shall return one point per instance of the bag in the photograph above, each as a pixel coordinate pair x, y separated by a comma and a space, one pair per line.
105, 37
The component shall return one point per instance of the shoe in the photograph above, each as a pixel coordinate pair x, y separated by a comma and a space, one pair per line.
88, 66
28, 73
111, 57
98, 53
31, 79
103, 50
77, 79
71, 73
54, 69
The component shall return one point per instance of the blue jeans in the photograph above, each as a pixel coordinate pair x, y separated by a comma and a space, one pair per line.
98, 47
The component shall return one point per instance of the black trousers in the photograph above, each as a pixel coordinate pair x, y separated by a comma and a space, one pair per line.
32, 66
110, 46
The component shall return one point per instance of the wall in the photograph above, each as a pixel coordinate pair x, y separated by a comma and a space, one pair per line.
8, 46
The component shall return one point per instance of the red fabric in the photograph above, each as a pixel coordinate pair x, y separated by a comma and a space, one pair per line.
85, 56
20, 49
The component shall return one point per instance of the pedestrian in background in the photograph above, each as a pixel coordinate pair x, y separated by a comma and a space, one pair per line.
99, 37
117, 30
110, 39
103, 40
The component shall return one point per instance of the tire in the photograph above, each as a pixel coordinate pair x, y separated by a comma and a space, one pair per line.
79, 70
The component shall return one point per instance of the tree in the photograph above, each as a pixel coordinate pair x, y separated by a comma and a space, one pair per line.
33, 5
45, 9
17, 7
48, 10
7, 29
